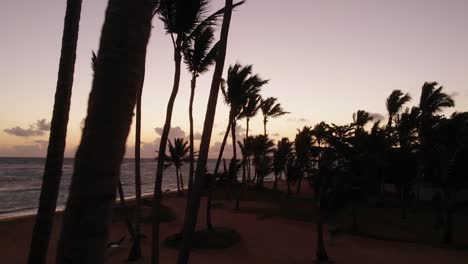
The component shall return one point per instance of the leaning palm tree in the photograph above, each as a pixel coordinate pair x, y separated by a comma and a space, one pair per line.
58, 132
124, 38
431, 102
394, 103
193, 203
270, 108
178, 155
198, 57
241, 85
182, 21
360, 119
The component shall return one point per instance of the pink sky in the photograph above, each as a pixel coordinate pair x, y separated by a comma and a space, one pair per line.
325, 59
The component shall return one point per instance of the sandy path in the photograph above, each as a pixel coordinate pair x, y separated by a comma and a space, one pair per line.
270, 240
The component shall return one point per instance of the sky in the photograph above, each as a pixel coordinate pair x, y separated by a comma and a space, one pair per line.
325, 59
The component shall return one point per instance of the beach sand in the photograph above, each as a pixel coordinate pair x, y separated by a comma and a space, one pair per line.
263, 240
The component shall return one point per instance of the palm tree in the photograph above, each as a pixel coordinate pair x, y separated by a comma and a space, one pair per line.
58, 132
178, 155
122, 50
262, 150
198, 57
394, 103
281, 156
241, 85
250, 109
303, 147
182, 20
270, 108
360, 119
193, 203
431, 102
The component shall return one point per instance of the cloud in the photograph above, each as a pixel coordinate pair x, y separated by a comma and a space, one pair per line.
298, 120
42, 125
377, 117
22, 132
37, 129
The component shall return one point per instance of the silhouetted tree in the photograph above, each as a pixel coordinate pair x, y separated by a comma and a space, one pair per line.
241, 85
193, 204
119, 75
283, 153
183, 20
394, 103
58, 132
270, 108
262, 149
303, 147
198, 57
178, 155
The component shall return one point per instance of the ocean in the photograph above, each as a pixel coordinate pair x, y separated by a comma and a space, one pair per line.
21, 179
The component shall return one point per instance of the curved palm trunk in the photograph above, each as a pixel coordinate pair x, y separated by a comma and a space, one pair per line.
190, 220
124, 207
193, 84
118, 77
135, 251
162, 149
58, 132
223, 145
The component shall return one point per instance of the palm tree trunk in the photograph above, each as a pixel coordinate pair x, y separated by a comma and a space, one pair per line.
233, 135
192, 144
190, 220
58, 132
124, 208
223, 144
248, 158
118, 77
135, 251
162, 149
275, 183
178, 183
181, 181
264, 126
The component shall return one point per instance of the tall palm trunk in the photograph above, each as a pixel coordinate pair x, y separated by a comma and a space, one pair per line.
193, 84
135, 252
264, 127
223, 145
233, 135
248, 157
118, 77
190, 220
162, 149
58, 132
178, 182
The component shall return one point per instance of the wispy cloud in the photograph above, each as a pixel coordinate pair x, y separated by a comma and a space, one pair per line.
37, 129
